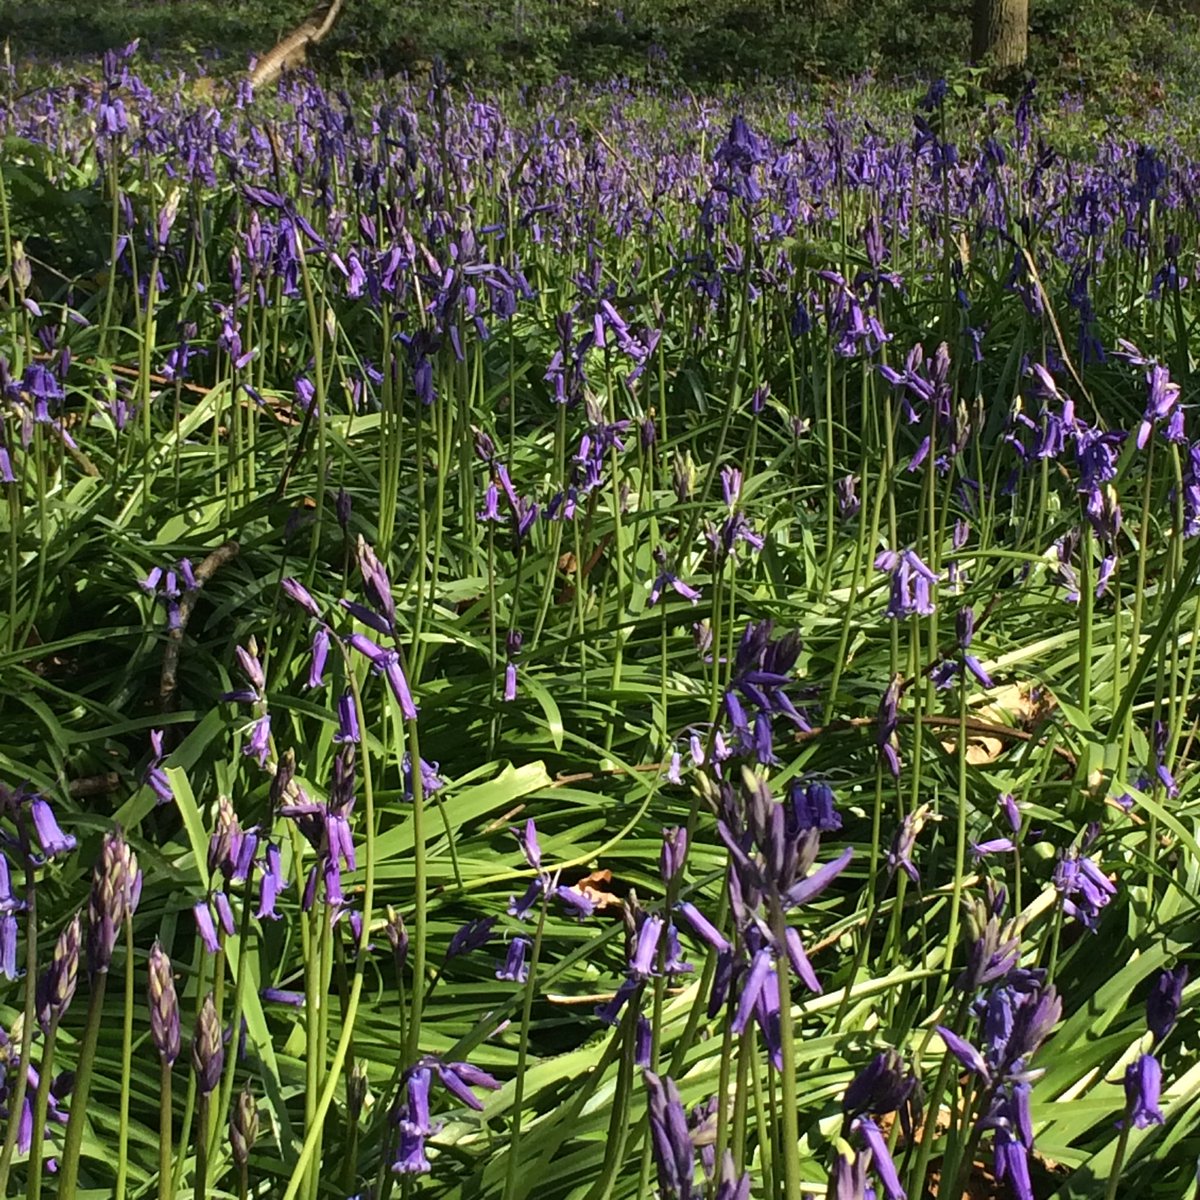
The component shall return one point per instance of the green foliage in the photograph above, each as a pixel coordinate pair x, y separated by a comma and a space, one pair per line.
1122, 50
131, 471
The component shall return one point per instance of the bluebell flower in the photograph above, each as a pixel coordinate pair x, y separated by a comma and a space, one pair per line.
1084, 889
1164, 1001
911, 583
881, 1157
673, 853
670, 1141
154, 777
50, 837
387, 662
1143, 1085
515, 969
475, 934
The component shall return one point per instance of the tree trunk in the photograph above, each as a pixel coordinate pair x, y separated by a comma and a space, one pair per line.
1000, 34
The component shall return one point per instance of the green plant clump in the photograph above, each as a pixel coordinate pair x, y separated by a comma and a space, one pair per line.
595, 641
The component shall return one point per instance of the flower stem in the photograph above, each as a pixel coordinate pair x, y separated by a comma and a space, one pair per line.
790, 1131
1114, 1174
165, 1183
201, 1180
18, 1101
126, 1057
40, 1105
334, 1071
69, 1180
514, 1142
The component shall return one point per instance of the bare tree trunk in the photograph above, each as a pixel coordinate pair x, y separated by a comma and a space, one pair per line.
1000, 34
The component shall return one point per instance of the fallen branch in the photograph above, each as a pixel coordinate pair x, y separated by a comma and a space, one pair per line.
203, 573
291, 50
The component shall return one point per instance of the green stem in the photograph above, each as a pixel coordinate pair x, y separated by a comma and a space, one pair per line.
73, 1141
960, 838
514, 1143
40, 1105
165, 1132
333, 1074
790, 1131
126, 1057
30, 1011
1114, 1174
201, 1181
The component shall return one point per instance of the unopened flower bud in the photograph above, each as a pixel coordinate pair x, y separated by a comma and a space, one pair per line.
684, 477
398, 936
673, 853
57, 986
243, 1126
22, 271
356, 1093
208, 1049
164, 1005
965, 627
116, 886
285, 772
225, 832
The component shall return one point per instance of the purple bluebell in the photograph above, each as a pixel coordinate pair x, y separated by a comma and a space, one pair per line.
410, 1158
703, 928
290, 999
512, 649
376, 583
1012, 814
847, 498
912, 582
224, 912
670, 1142
577, 903
515, 969
295, 591
50, 837
258, 744
881, 1157
848, 1178
673, 853
888, 722
981, 850
474, 935
387, 662
205, 926
666, 578
1162, 396
643, 1042
431, 780
458, 1078
904, 843
9, 907
1165, 1000
320, 653
1160, 746
1083, 888
271, 883
348, 730
882, 1086
1143, 1086
812, 806
154, 777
